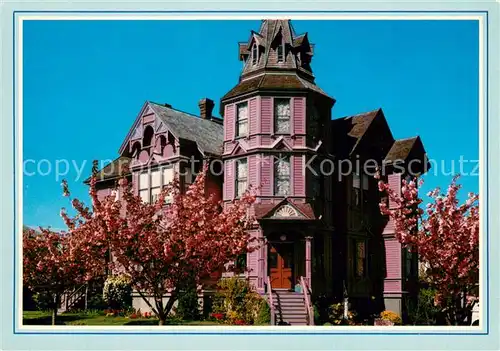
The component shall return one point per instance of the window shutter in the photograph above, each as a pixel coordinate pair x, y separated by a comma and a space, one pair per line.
394, 181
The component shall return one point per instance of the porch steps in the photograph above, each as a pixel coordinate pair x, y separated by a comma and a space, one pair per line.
289, 307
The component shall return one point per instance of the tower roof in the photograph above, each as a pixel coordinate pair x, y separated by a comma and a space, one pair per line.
275, 58
294, 54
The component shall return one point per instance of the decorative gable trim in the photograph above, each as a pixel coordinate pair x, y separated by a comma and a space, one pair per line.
286, 211
281, 142
240, 148
137, 134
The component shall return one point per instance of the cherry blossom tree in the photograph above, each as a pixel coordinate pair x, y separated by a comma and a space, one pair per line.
51, 264
446, 237
162, 247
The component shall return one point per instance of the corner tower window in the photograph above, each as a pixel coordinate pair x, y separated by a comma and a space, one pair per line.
242, 119
282, 116
282, 176
241, 176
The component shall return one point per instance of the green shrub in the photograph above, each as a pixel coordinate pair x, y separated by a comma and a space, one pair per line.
117, 292
424, 312
43, 301
336, 315
264, 315
188, 306
237, 301
97, 302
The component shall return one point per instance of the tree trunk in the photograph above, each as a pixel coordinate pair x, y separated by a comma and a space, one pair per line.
162, 321
54, 309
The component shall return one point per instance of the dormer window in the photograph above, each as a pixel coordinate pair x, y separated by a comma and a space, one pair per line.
255, 54
280, 52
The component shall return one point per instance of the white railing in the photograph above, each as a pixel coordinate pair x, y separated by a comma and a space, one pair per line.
307, 301
271, 302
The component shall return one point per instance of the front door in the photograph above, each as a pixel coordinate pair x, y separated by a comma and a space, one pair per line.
281, 265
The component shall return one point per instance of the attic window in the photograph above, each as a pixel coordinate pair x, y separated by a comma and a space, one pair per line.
280, 52
255, 54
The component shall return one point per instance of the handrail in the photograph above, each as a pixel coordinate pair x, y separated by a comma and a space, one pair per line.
69, 298
271, 303
307, 300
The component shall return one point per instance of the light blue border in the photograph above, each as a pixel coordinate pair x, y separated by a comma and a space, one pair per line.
278, 340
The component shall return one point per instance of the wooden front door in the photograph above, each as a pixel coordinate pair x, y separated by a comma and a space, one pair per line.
281, 265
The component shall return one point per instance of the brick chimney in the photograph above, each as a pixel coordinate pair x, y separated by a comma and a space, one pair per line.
206, 107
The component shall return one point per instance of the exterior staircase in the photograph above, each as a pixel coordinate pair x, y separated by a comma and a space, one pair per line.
289, 307
73, 299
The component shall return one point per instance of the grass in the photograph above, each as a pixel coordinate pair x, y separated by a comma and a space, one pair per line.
96, 318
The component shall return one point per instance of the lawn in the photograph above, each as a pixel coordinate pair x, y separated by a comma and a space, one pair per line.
95, 318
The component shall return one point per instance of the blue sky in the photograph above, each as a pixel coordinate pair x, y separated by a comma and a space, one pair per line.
85, 82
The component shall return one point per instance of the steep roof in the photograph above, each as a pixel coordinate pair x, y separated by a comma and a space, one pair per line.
349, 131
207, 134
401, 149
273, 82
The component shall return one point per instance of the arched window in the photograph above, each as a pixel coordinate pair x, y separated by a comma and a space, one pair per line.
147, 136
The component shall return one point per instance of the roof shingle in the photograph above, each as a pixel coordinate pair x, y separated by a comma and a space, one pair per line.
207, 134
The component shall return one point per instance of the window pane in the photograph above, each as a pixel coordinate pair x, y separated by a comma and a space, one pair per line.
282, 176
365, 182
282, 115
282, 168
168, 175
241, 168
282, 187
242, 120
155, 193
242, 187
155, 178
242, 128
144, 194
355, 180
144, 180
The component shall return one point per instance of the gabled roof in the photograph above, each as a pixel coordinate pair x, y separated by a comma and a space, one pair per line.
349, 131
401, 149
207, 134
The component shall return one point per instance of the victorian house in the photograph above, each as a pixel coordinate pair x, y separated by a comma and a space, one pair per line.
318, 222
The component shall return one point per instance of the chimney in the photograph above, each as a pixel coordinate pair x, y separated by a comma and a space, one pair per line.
206, 107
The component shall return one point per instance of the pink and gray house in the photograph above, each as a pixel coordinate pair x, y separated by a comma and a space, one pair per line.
318, 226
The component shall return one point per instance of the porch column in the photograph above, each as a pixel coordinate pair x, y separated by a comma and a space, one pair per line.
308, 261
261, 273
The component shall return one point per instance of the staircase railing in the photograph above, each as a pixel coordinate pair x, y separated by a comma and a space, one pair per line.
307, 300
271, 302
70, 298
